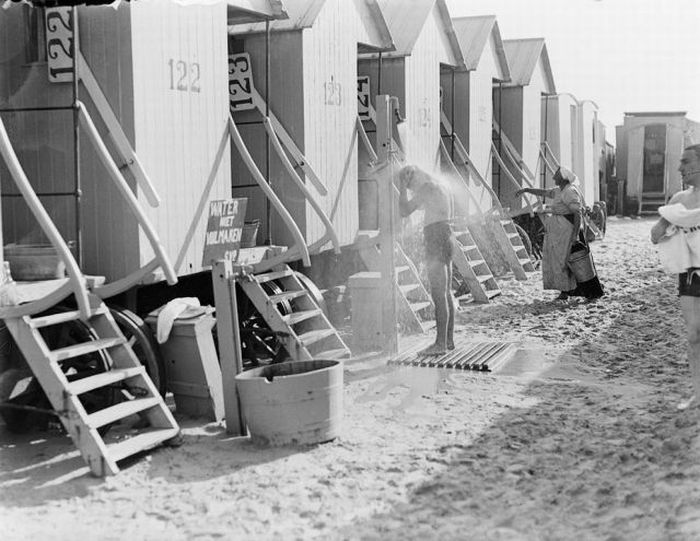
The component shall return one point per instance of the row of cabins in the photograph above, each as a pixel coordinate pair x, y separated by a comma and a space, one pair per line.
164, 70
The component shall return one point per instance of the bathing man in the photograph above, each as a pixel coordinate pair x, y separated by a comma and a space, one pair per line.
689, 281
438, 240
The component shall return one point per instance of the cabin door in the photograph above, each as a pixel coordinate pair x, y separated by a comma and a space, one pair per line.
654, 163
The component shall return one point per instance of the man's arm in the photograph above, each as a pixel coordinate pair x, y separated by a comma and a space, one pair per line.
535, 191
658, 231
407, 206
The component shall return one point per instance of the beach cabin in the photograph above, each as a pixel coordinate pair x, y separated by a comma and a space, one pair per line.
304, 71
426, 48
559, 129
518, 113
649, 147
469, 102
587, 147
159, 71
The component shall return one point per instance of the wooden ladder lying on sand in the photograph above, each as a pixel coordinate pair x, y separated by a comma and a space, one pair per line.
293, 315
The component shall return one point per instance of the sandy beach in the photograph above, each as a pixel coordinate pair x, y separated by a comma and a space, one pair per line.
577, 437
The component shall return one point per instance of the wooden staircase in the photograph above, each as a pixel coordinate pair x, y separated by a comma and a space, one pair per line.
123, 372
651, 201
305, 332
514, 251
474, 279
414, 304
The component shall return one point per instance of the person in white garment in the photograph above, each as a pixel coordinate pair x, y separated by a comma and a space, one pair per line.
680, 220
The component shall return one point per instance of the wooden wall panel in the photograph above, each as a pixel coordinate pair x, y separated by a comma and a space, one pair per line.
330, 110
532, 113
180, 56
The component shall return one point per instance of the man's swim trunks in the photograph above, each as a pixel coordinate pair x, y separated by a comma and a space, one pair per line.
689, 283
437, 238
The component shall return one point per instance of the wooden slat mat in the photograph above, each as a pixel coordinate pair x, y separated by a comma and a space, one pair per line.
479, 356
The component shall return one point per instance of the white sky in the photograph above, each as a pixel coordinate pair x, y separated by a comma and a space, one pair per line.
625, 55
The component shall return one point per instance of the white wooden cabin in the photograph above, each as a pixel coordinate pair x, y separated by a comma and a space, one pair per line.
480, 41
559, 129
587, 150
518, 109
648, 152
312, 90
163, 68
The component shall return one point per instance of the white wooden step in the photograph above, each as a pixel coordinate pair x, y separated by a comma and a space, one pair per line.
269, 276
140, 442
287, 296
484, 278
476, 262
121, 411
60, 317
298, 317
85, 348
332, 354
105, 378
401, 269
418, 306
407, 288
311, 337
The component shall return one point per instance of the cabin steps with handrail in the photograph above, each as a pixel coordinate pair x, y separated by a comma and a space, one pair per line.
473, 278
305, 333
413, 302
116, 388
512, 246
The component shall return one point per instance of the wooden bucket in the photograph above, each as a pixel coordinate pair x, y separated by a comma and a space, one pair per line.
581, 264
298, 402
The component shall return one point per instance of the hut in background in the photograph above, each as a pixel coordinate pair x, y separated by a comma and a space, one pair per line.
472, 113
312, 90
559, 128
587, 148
518, 109
649, 147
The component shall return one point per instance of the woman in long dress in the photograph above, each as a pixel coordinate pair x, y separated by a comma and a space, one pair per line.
564, 236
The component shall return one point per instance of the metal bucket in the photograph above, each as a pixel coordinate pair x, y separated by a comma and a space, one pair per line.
581, 264
299, 402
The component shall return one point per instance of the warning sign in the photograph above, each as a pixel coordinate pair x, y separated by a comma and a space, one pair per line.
224, 229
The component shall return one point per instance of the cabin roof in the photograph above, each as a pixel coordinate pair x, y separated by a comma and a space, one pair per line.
657, 113
303, 13
523, 55
406, 19
473, 33
243, 11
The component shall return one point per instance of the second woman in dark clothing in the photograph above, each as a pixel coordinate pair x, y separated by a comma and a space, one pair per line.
563, 237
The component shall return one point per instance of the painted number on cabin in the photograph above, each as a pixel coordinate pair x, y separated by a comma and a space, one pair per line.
59, 44
333, 92
240, 82
184, 76
363, 97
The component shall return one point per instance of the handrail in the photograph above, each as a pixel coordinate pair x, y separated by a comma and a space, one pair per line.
279, 207
115, 131
288, 142
113, 171
514, 155
114, 288
510, 176
451, 165
467, 161
75, 276
330, 232
545, 144
365, 141
545, 160
204, 198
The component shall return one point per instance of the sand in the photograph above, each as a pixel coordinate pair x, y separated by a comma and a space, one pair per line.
576, 438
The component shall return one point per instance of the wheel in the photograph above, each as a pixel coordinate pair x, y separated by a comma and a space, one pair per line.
259, 344
37, 410
599, 217
525, 238
144, 346
313, 290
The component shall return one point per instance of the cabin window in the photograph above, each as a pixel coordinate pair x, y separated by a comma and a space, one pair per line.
34, 29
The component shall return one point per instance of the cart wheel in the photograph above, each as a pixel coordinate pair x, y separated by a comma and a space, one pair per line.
525, 238
599, 217
259, 344
38, 412
144, 346
313, 290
